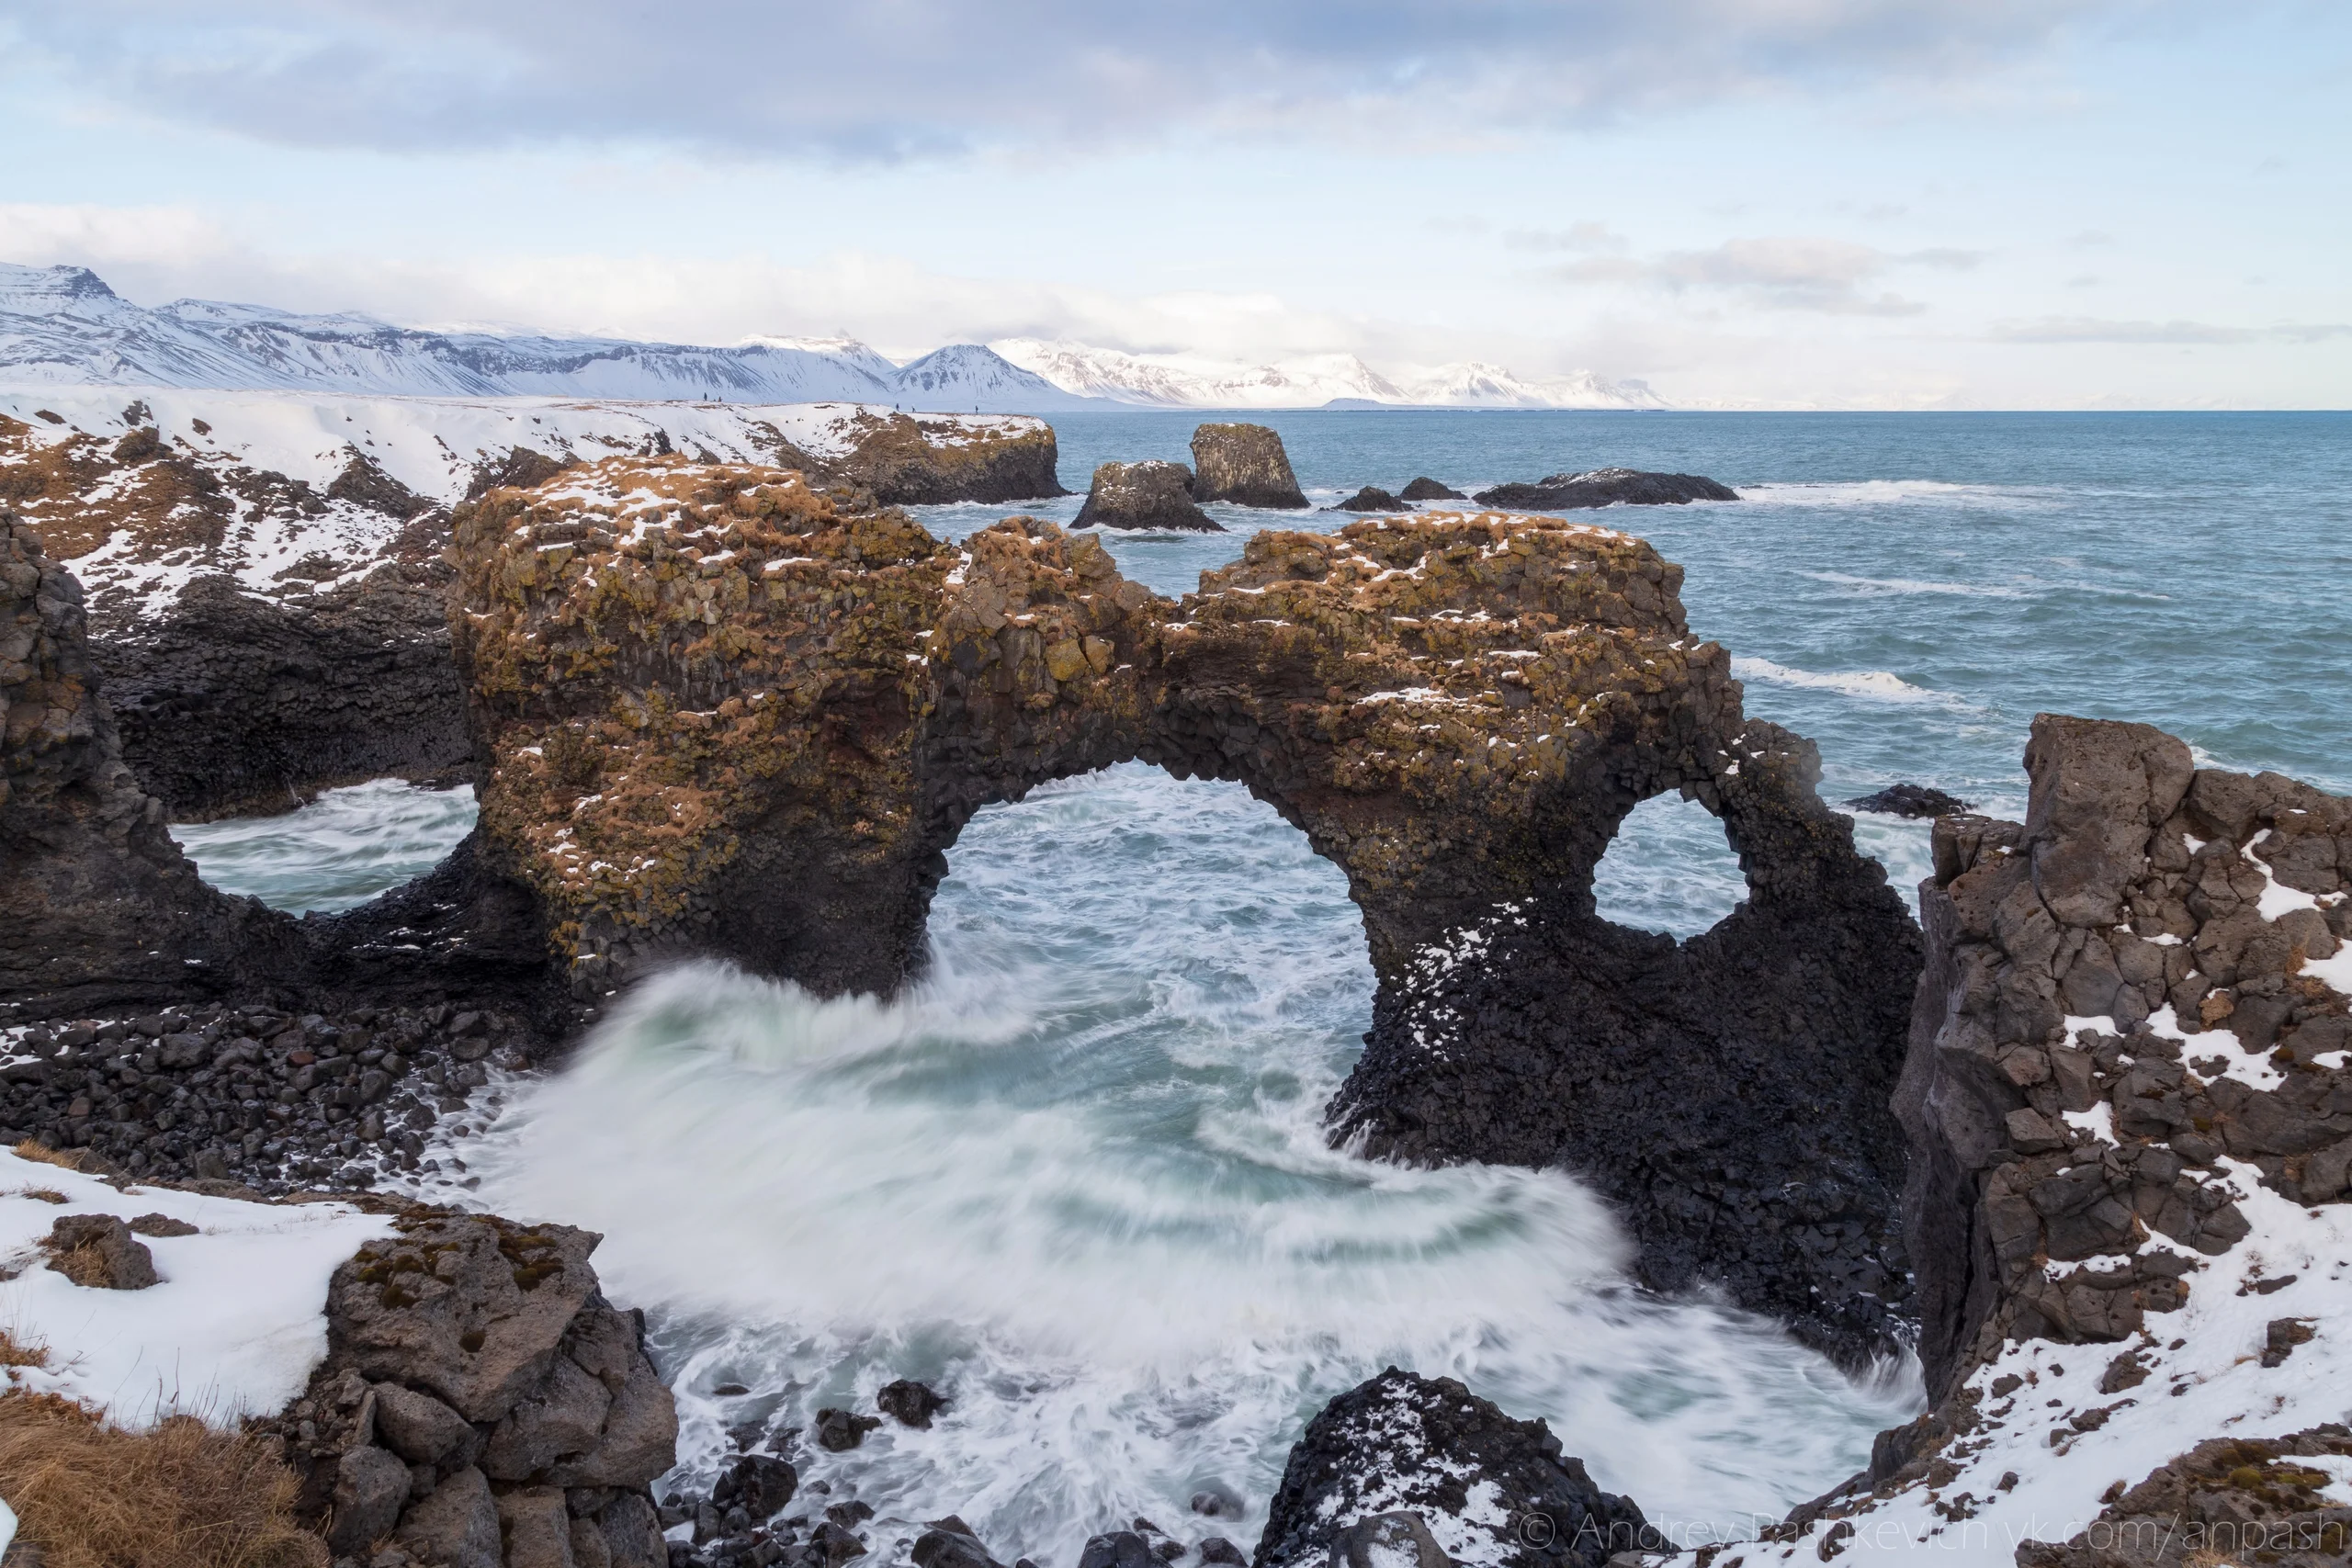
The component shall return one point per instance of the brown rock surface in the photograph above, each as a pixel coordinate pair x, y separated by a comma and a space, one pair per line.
1244, 464
1148, 495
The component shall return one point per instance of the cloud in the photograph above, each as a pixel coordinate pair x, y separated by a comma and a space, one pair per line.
1578, 236
2090, 328
1783, 272
898, 78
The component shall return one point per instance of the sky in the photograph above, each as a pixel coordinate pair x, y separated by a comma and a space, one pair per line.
1745, 203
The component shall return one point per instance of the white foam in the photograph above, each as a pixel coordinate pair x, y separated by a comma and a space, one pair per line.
1879, 685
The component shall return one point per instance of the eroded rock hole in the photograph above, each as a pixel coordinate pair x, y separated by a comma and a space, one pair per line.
335, 851
1670, 869
1183, 921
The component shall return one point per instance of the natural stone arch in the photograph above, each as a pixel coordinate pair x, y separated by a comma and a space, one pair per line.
1678, 895
719, 718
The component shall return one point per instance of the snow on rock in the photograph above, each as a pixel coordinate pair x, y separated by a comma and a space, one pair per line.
234, 1328
1192, 380
1485, 1490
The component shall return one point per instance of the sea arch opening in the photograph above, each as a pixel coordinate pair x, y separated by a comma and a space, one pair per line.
1669, 867
336, 851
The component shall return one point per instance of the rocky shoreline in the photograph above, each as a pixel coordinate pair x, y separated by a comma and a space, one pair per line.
2099, 1101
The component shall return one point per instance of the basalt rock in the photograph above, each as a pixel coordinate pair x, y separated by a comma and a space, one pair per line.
1909, 800
231, 702
1607, 487
1406, 1469
722, 717
1426, 489
477, 1387
100, 911
2227, 1500
1244, 464
2114, 950
1148, 495
1370, 499
909, 460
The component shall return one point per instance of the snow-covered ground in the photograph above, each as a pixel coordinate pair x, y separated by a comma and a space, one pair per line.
236, 1327
433, 445
1192, 380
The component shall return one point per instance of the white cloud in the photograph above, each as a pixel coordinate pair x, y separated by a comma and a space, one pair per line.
1781, 272
2091, 329
895, 78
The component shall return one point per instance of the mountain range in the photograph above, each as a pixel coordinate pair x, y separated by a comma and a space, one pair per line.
63, 325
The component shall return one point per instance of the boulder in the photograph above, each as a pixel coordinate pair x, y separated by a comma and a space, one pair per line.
422, 1429
950, 1543
98, 1251
1406, 1472
911, 1403
1605, 487
1370, 499
1909, 800
537, 1525
456, 1523
1244, 464
837, 1431
1427, 489
370, 1487
1147, 495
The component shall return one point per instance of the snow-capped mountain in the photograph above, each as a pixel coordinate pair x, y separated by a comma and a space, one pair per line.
1183, 381
64, 326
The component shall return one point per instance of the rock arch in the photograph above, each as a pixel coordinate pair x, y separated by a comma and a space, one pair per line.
717, 716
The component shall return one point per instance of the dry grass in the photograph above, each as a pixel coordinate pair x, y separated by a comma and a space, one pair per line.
182, 1495
15, 1352
42, 1154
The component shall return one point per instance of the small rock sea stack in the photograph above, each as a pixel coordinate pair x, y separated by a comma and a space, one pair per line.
1606, 487
1147, 495
1244, 464
1371, 499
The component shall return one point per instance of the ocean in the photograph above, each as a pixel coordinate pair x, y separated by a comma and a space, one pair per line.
1075, 1179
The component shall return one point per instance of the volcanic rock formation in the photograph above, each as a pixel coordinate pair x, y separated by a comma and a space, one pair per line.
1606, 487
1426, 489
1420, 1472
1371, 499
1145, 495
720, 716
2129, 1100
1244, 464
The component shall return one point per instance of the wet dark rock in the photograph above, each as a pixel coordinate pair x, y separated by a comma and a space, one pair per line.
1216, 1549
1605, 487
1371, 499
950, 1543
1426, 489
832, 1546
1385, 1471
837, 1431
1244, 464
1216, 1500
1118, 1548
1909, 800
760, 1485
913, 1403
1148, 495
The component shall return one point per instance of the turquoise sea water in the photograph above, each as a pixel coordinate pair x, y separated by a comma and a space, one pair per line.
1075, 1179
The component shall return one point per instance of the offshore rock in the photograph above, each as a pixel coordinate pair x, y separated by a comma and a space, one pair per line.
1145, 495
1607, 487
1909, 800
911, 461
1385, 1473
721, 717
1244, 464
1371, 499
1427, 489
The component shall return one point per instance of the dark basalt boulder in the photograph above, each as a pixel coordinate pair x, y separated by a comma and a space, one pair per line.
1371, 499
1605, 487
1244, 464
1383, 1473
1147, 495
1909, 800
913, 1403
1427, 489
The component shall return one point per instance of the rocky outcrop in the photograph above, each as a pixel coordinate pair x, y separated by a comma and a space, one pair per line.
909, 460
233, 702
1423, 1472
1606, 487
1148, 495
1244, 464
482, 1404
1371, 499
1426, 489
1909, 800
97, 906
2129, 1100
723, 719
